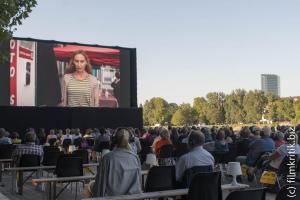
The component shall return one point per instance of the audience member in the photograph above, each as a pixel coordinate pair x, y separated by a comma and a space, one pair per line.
220, 143
15, 138
197, 156
279, 139
119, 171
284, 150
4, 139
259, 146
28, 148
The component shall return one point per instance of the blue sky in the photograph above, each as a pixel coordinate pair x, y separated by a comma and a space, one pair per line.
185, 49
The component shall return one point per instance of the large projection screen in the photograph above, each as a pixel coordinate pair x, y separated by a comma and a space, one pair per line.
53, 73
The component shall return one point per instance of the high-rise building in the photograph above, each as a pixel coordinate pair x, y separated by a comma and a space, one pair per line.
270, 83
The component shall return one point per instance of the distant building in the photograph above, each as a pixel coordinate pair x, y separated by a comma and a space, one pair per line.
270, 83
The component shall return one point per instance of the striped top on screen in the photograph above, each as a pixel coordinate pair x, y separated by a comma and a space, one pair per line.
79, 92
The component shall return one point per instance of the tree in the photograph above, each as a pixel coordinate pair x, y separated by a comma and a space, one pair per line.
215, 109
234, 106
184, 115
285, 109
254, 104
155, 111
172, 108
297, 110
271, 108
11, 15
200, 105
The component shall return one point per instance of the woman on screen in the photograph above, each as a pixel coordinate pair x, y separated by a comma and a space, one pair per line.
79, 86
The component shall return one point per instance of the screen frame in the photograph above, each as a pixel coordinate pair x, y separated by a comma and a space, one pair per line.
5, 100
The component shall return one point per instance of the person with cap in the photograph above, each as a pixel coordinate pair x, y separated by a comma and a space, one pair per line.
279, 139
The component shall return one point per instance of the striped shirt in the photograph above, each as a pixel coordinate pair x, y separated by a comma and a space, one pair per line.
79, 92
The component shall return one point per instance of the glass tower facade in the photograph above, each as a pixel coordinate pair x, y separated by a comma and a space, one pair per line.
270, 83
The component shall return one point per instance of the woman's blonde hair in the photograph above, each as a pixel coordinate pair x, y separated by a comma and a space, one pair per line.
122, 138
71, 67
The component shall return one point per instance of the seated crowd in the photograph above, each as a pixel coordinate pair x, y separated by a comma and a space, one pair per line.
119, 170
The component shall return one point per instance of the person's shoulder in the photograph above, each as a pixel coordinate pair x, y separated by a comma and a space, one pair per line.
93, 78
67, 77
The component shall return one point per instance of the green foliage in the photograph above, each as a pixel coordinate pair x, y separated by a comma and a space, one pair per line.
11, 15
237, 107
184, 115
215, 107
172, 108
200, 105
285, 109
271, 108
254, 104
297, 110
234, 106
156, 111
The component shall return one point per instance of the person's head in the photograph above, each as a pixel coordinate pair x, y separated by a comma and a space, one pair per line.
266, 132
195, 138
221, 134
102, 131
79, 62
30, 137
164, 134
52, 132
68, 131
279, 135
2, 132
117, 75
122, 138
245, 132
76, 131
14, 135
137, 132
59, 132
88, 131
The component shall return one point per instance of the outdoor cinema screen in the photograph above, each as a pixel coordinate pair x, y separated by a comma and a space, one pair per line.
51, 73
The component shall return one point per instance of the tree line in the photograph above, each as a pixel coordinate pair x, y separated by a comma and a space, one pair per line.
240, 106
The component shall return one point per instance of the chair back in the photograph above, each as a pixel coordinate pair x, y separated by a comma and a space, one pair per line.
29, 160
160, 178
166, 151
83, 154
77, 142
248, 194
205, 186
145, 149
90, 142
285, 192
103, 145
68, 165
52, 141
191, 172
220, 156
50, 148
6, 151
50, 157
66, 143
